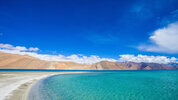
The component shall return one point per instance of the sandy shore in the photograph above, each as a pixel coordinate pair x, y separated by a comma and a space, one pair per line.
16, 85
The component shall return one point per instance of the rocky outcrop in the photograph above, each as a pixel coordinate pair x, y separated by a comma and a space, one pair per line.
14, 61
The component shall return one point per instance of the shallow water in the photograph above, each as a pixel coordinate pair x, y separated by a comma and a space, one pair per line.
120, 85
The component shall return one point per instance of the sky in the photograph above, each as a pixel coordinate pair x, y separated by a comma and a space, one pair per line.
87, 31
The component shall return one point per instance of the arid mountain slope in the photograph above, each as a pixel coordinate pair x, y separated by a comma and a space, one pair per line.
74, 66
14, 61
106, 65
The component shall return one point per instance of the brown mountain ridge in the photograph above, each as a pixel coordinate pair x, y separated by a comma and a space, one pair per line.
15, 61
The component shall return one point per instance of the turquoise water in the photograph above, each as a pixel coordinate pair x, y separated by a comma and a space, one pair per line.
120, 85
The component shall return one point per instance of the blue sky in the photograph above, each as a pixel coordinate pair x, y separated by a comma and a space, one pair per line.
106, 28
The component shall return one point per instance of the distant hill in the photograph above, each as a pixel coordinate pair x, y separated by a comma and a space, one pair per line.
14, 61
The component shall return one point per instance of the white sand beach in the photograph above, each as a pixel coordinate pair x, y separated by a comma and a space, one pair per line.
16, 85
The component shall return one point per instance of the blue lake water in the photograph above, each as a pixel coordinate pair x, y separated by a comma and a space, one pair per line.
116, 85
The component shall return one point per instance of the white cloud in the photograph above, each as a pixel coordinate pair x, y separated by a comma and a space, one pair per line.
33, 49
11, 47
163, 40
18, 48
79, 58
148, 59
72, 58
6, 46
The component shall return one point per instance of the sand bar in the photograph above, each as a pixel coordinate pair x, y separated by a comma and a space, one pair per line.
16, 85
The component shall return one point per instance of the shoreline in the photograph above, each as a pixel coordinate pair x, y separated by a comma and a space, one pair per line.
17, 85
28, 91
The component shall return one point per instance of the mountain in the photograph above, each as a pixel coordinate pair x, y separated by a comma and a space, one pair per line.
105, 65
15, 61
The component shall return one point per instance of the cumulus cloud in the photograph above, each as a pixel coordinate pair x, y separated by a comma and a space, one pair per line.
72, 58
148, 59
11, 47
20, 48
16, 48
79, 58
6, 46
33, 49
163, 40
